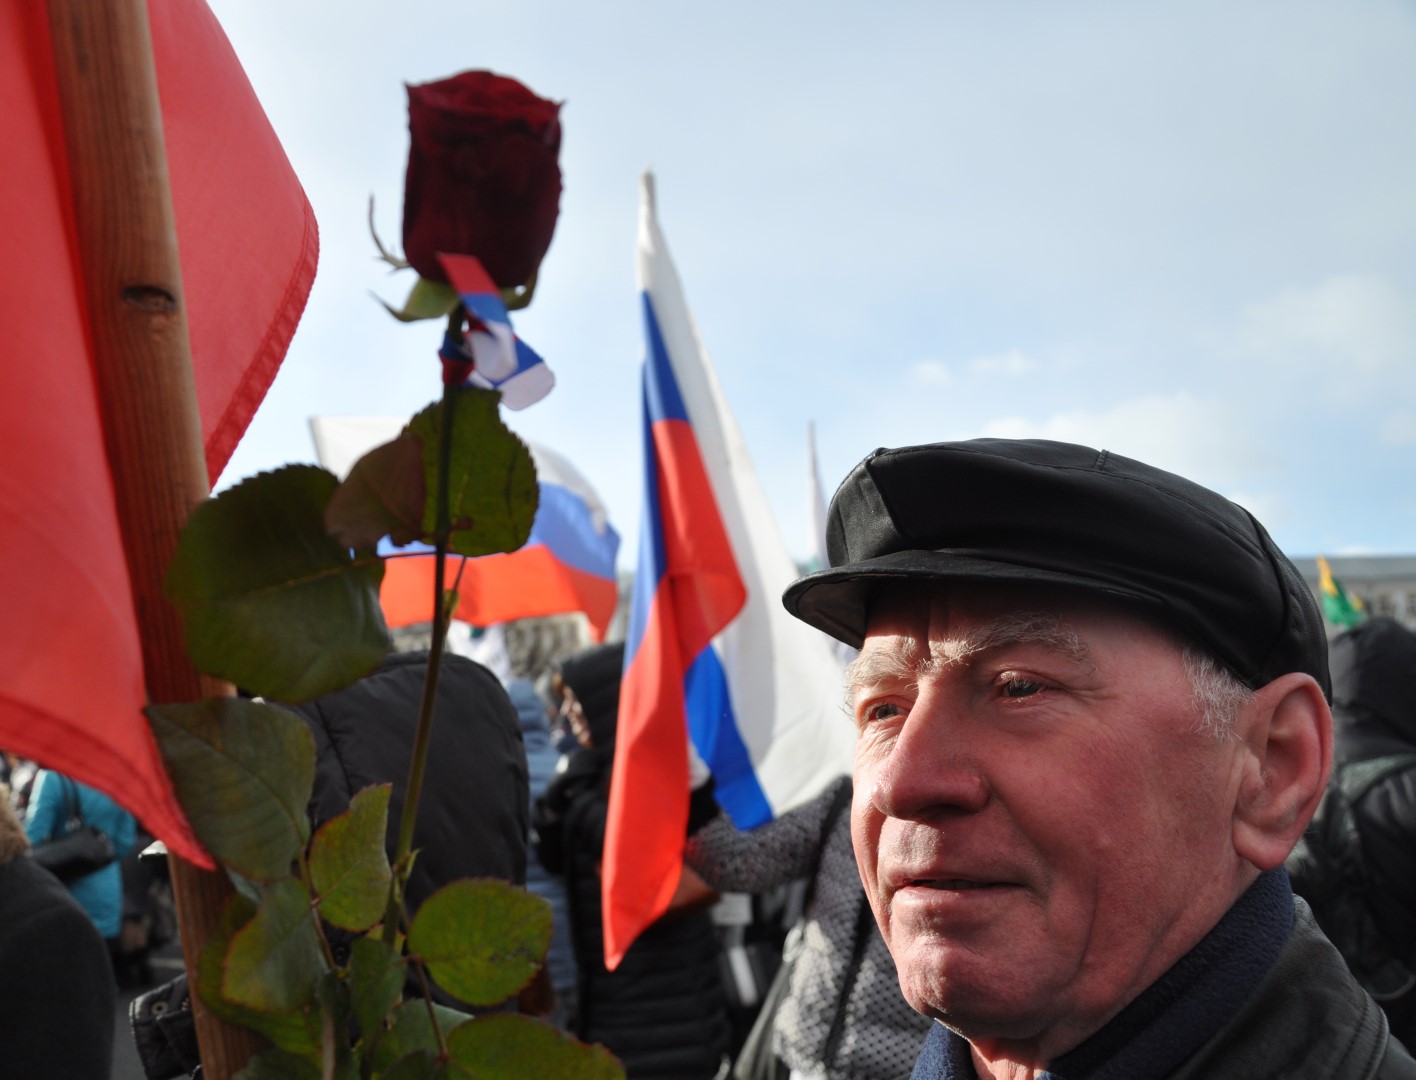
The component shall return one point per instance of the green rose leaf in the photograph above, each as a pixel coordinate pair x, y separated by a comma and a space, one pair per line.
277, 1064
274, 961
419, 1065
381, 496
481, 939
412, 1032
268, 600
243, 771
492, 491
295, 1031
427, 300
505, 1046
375, 982
349, 862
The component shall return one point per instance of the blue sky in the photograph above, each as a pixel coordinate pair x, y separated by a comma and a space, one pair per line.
1185, 232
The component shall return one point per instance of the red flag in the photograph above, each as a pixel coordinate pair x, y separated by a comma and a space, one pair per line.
73, 686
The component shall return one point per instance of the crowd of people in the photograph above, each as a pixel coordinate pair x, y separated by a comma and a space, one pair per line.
1119, 809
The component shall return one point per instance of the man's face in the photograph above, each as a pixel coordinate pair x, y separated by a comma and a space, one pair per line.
1040, 826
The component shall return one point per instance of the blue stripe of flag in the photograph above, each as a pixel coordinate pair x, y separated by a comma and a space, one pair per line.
652, 560
565, 524
712, 725
486, 308
661, 390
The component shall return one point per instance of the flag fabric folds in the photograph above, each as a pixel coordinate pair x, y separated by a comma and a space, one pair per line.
1340, 607
711, 655
567, 564
245, 230
73, 688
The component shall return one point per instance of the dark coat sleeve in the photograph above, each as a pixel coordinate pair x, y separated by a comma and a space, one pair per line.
1386, 821
57, 998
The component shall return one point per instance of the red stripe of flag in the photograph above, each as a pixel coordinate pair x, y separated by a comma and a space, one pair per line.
499, 588
699, 591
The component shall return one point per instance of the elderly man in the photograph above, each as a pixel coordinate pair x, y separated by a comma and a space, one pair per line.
1092, 715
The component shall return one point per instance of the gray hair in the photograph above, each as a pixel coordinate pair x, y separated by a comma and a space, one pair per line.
1218, 693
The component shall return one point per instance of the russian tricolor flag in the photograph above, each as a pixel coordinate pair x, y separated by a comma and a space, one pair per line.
710, 654
567, 564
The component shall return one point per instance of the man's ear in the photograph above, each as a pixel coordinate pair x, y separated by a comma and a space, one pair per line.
1286, 728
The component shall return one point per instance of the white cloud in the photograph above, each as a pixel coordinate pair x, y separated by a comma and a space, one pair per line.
1399, 429
1010, 364
1355, 320
1197, 438
931, 373
1013, 362
1268, 506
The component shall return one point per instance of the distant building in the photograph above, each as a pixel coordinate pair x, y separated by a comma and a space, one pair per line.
1386, 584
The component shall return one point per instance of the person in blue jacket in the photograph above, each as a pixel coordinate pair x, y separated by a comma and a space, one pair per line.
100, 893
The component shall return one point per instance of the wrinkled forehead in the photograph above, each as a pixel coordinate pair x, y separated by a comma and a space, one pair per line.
950, 620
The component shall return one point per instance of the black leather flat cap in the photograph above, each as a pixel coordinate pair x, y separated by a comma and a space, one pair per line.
1033, 511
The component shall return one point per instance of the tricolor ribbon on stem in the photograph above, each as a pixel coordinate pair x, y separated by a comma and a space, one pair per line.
488, 353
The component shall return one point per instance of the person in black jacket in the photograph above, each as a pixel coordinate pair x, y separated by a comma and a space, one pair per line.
57, 993
1357, 862
663, 1011
1092, 722
473, 819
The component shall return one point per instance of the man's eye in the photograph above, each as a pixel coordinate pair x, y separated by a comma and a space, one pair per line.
884, 710
1018, 687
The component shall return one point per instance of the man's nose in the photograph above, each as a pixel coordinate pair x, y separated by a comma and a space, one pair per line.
934, 767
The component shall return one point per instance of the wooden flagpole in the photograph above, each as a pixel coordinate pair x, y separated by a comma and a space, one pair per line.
132, 279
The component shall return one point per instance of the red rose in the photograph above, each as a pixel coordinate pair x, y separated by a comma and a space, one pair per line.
483, 178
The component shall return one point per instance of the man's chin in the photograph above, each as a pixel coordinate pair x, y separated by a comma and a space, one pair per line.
986, 1029
981, 1002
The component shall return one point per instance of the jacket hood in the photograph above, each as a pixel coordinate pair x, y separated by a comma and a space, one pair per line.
594, 675
1374, 682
